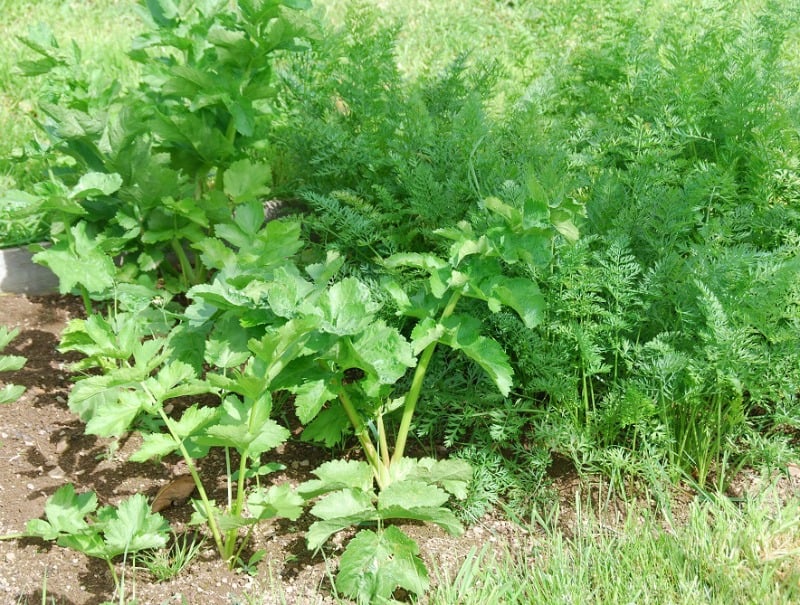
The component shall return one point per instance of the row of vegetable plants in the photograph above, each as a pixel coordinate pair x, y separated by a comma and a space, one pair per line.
156, 199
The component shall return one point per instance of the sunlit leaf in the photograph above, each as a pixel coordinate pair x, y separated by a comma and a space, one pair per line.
374, 565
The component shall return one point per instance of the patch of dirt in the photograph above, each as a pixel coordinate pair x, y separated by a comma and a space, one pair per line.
42, 447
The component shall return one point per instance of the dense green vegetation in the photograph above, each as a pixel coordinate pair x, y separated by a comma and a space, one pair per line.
527, 229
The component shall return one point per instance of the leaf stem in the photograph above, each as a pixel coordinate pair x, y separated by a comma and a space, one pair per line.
236, 511
415, 390
212, 521
187, 272
382, 442
378, 468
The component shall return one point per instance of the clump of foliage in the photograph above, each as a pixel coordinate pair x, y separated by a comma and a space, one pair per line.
668, 326
381, 161
137, 175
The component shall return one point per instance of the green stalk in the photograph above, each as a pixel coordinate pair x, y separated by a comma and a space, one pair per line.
87, 302
382, 442
236, 511
113, 574
187, 272
212, 521
415, 390
378, 468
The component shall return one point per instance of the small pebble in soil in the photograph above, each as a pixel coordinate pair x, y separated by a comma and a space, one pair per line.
56, 473
30, 486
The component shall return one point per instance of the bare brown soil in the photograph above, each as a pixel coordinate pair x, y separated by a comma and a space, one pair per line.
42, 447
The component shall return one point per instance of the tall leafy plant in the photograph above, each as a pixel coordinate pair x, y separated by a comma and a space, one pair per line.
138, 175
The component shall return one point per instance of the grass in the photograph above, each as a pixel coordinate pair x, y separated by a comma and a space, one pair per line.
722, 554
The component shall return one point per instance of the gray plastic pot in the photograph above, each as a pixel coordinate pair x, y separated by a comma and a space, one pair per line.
20, 275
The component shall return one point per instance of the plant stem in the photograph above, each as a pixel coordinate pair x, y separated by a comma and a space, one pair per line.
382, 442
416, 385
378, 468
212, 521
113, 574
236, 511
87, 302
187, 272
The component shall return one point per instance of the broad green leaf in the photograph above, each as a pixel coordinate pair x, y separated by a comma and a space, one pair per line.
93, 392
441, 516
226, 347
286, 291
154, 445
426, 262
297, 4
338, 474
343, 503
11, 363
186, 343
89, 542
329, 427
66, 511
6, 336
78, 261
511, 215
374, 565
175, 379
163, 12
520, 294
193, 419
96, 183
135, 527
275, 501
562, 221
463, 334
242, 231
247, 428
278, 347
39, 528
215, 254
426, 332
345, 308
245, 181
411, 494
468, 247
319, 531
452, 474
309, 399
113, 418
322, 273
384, 352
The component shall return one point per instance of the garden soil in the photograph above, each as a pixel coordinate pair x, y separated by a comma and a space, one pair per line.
42, 447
